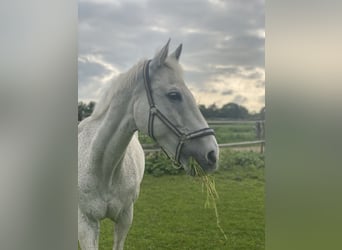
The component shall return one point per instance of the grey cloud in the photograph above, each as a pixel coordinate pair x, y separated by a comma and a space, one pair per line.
260, 84
214, 91
227, 92
227, 70
240, 99
235, 18
254, 75
121, 35
206, 90
113, 27
261, 98
88, 70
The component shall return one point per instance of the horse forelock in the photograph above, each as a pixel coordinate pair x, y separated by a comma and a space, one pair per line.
174, 65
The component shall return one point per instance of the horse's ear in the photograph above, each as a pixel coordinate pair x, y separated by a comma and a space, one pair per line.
176, 54
159, 59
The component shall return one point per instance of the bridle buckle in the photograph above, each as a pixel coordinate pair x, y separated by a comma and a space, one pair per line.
154, 110
183, 138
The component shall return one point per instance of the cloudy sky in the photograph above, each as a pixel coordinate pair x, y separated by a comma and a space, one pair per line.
223, 45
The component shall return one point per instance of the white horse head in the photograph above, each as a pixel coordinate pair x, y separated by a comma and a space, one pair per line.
166, 110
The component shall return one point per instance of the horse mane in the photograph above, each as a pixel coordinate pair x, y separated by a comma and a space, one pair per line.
122, 82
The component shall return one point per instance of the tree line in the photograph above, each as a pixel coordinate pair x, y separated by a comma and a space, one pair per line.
229, 111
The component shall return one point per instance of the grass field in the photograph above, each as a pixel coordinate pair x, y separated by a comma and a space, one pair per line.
170, 213
235, 133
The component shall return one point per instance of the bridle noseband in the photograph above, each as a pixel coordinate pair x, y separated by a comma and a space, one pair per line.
154, 111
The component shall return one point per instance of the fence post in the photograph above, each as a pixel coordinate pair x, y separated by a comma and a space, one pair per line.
262, 148
260, 133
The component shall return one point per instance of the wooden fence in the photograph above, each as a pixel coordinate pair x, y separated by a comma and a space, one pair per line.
259, 130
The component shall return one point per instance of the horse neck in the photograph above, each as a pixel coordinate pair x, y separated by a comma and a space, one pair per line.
114, 134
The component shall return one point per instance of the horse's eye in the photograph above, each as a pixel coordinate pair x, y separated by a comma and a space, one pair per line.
174, 96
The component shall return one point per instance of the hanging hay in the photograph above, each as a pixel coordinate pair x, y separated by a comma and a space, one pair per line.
208, 183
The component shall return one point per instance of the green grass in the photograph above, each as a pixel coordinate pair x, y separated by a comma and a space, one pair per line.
235, 133
170, 213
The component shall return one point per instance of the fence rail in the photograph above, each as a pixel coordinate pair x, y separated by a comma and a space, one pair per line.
154, 148
149, 148
218, 122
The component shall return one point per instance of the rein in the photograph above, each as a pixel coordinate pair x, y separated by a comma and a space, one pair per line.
155, 112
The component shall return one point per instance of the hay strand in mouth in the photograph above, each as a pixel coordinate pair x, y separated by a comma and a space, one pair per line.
208, 182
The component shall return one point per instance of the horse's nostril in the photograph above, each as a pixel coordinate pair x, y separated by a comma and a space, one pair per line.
212, 157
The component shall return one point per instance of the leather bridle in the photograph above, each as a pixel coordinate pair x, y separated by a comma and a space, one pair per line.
155, 112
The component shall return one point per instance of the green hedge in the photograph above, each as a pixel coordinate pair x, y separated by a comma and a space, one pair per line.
243, 159
157, 164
